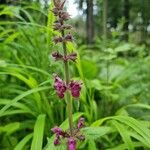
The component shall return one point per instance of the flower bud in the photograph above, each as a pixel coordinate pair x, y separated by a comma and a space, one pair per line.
81, 123
72, 56
65, 16
56, 141
69, 37
55, 11
66, 26
57, 26
57, 56
56, 130
58, 39
58, 4
81, 137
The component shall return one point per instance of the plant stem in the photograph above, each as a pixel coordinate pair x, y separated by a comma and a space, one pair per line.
67, 77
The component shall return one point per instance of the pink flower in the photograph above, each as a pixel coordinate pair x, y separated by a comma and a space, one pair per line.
60, 86
75, 87
81, 123
57, 130
56, 141
71, 144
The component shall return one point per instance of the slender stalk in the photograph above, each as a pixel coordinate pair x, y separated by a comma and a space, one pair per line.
67, 77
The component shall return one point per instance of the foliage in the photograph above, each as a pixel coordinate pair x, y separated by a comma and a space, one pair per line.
114, 99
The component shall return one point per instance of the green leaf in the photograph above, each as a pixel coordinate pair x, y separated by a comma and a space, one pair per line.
90, 69
38, 133
134, 124
137, 126
10, 128
20, 97
124, 146
124, 134
92, 145
95, 132
23, 142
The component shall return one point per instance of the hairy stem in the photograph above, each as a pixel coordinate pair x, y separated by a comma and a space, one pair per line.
67, 77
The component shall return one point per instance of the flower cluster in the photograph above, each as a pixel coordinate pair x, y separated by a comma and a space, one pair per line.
61, 87
60, 134
58, 56
62, 16
69, 85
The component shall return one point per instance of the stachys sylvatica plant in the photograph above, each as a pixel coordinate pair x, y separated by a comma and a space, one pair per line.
66, 88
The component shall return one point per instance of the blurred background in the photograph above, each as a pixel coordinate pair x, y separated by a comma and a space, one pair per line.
113, 40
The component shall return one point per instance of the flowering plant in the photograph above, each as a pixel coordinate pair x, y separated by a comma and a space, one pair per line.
66, 88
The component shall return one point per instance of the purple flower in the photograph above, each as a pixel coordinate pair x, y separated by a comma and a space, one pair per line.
81, 123
56, 141
57, 55
71, 144
59, 86
75, 87
57, 130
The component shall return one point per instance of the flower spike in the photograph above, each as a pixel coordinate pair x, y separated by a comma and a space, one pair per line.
74, 87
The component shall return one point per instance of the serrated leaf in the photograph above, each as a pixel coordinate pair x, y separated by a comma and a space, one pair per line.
95, 132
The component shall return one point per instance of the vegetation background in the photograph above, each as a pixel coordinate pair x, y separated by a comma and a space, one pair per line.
113, 40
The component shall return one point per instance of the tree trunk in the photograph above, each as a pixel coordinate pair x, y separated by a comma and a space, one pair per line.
90, 22
105, 4
3, 2
126, 14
